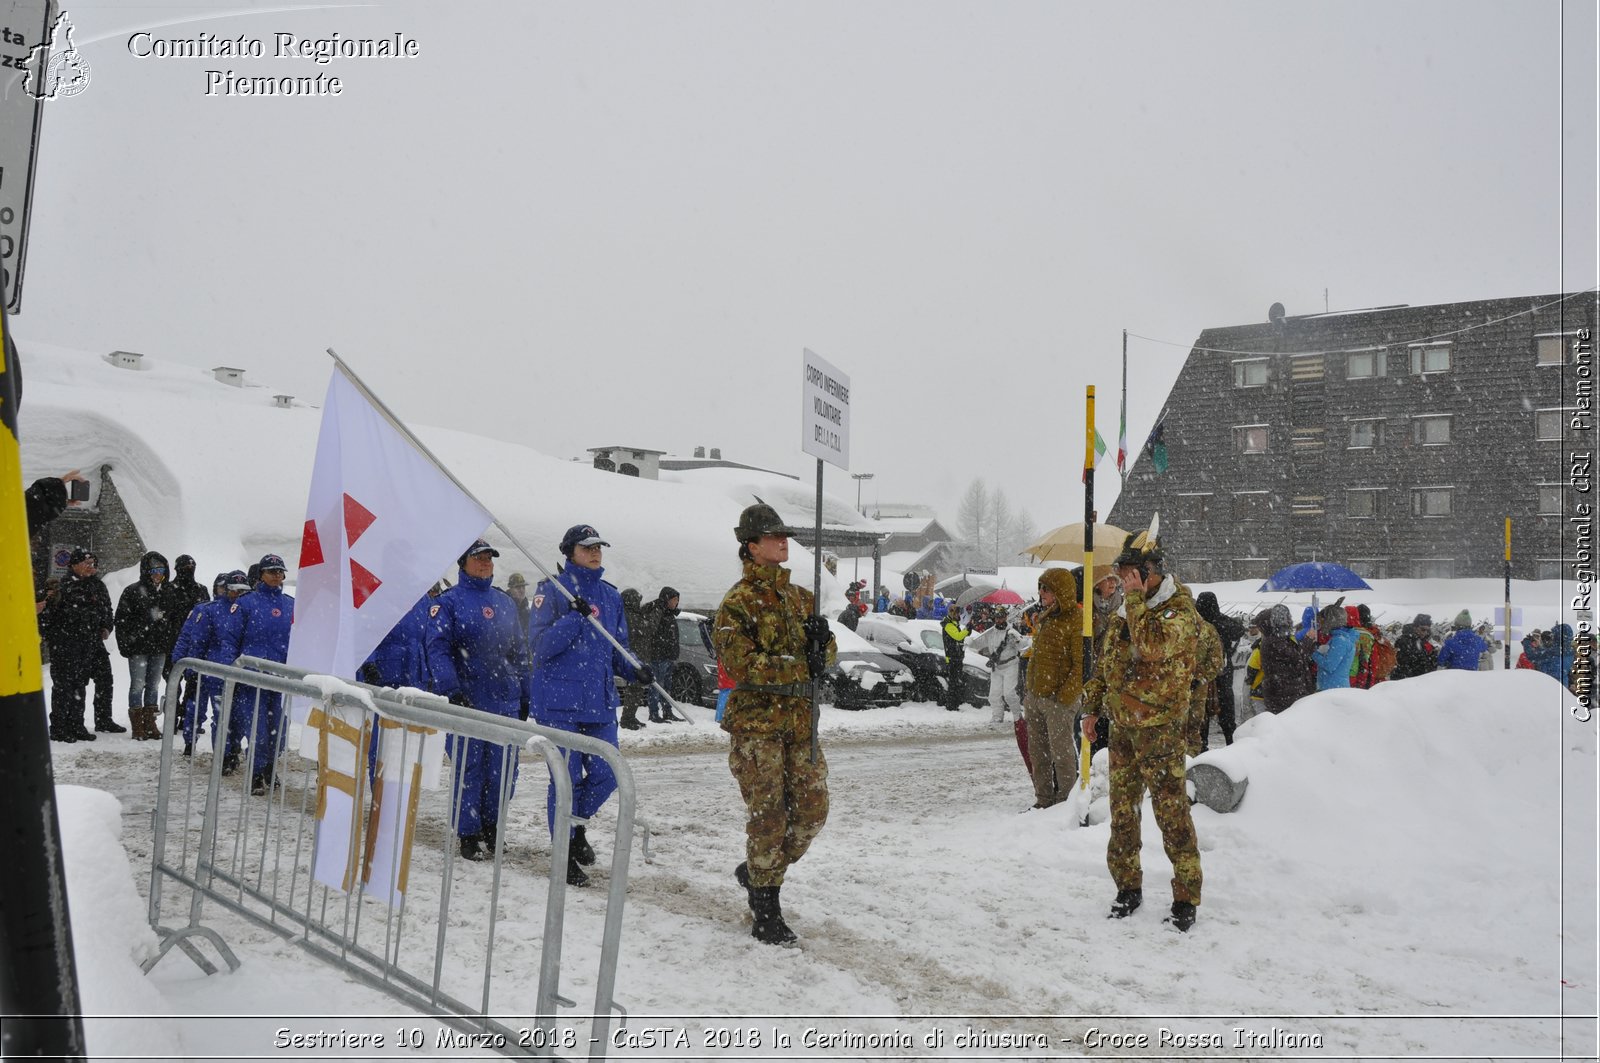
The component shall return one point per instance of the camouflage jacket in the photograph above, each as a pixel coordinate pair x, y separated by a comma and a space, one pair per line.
1150, 658
760, 643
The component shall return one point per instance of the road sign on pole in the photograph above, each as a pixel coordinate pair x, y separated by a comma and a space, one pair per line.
825, 417
25, 35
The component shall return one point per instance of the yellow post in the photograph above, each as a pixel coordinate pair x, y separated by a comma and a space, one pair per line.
1088, 584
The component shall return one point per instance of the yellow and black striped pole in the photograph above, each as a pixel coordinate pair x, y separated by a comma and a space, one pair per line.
1088, 588
38, 978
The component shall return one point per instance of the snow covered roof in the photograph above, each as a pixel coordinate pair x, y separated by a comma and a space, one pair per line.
211, 470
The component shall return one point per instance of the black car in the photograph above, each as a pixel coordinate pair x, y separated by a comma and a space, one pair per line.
694, 677
866, 679
918, 645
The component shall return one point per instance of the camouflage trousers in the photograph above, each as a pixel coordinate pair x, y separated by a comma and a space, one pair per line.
785, 797
1152, 758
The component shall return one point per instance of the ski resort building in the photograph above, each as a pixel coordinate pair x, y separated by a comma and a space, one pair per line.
1396, 440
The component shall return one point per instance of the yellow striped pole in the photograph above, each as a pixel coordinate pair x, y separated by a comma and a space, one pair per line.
38, 979
1088, 586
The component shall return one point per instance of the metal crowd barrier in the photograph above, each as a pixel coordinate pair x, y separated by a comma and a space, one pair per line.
253, 856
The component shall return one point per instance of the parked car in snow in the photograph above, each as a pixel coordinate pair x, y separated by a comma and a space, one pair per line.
864, 677
919, 645
694, 675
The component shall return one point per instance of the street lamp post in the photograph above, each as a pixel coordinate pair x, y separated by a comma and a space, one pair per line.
858, 477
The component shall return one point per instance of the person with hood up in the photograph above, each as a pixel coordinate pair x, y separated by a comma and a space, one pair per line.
1002, 644
1230, 631
1150, 668
76, 624
1335, 656
1414, 651
1284, 678
573, 666
264, 617
144, 625
633, 695
209, 634
1055, 688
660, 619
1463, 646
186, 594
478, 659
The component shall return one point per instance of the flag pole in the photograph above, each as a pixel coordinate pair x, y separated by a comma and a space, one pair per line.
422, 448
1088, 589
1122, 429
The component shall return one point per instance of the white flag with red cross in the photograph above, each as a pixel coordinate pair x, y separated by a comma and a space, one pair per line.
383, 521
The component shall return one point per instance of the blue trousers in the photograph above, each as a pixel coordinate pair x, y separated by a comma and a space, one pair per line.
480, 766
144, 679
593, 781
198, 707
265, 729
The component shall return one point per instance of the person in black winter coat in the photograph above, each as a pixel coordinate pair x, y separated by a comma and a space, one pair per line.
1230, 631
661, 643
1285, 678
633, 694
1414, 651
76, 624
144, 625
186, 594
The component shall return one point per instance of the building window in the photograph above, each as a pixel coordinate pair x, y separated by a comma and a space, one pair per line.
1370, 567
1433, 501
1193, 507
1364, 365
1251, 505
1433, 568
1250, 438
604, 464
1547, 424
1361, 502
1549, 500
1365, 434
628, 468
1550, 350
1550, 568
1250, 374
1431, 431
1307, 506
1435, 359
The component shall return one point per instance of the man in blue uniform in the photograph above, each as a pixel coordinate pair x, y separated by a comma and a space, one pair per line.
207, 635
572, 669
479, 660
264, 617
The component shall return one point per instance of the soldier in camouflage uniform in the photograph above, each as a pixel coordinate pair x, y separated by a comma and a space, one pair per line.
1148, 671
1203, 697
772, 645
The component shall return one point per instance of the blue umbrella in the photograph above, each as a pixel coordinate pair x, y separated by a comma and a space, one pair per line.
1315, 576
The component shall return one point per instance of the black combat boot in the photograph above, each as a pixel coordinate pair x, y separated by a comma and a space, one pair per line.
230, 763
109, 726
769, 927
580, 848
575, 875
741, 875
491, 838
472, 847
1182, 917
1126, 904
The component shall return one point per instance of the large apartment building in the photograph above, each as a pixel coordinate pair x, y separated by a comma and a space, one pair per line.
1395, 440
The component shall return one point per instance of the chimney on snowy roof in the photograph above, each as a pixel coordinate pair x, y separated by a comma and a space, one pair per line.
716, 453
283, 402
125, 359
227, 374
699, 452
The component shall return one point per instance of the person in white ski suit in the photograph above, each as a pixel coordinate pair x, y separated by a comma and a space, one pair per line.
1003, 645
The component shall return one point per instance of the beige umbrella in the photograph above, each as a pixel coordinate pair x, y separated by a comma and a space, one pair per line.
1066, 543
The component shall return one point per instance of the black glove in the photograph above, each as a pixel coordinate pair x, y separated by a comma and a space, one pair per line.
522, 712
580, 605
369, 675
817, 635
644, 674
460, 698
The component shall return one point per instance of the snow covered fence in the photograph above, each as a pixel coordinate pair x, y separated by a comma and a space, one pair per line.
256, 856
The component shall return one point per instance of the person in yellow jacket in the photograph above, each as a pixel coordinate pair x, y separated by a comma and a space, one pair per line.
1055, 688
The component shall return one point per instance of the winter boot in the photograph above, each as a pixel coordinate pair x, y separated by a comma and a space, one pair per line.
580, 848
188, 749
109, 726
472, 847
80, 732
141, 725
491, 838
630, 718
156, 721
769, 927
59, 734
575, 874
741, 875
1182, 917
230, 763
1126, 904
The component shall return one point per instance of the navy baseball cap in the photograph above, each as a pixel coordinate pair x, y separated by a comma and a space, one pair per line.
221, 581
479, 546
238, 580
581, 535
272, 563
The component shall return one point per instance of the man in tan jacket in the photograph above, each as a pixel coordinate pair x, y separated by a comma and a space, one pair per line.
1055, 688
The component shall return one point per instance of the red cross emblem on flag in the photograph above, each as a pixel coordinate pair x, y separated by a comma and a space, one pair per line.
357, 519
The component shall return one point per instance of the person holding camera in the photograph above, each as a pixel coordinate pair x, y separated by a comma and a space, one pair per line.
773, 645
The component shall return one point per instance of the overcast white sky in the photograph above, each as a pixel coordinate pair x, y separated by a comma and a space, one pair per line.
573, 225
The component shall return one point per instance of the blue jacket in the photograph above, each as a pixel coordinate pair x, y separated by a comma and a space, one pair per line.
264, 617
402, 657
475, 646
209, 633
1462, 650
572, 662
1335, 657
1556, 660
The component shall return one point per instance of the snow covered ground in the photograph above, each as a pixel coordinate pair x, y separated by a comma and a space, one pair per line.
1412, 873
